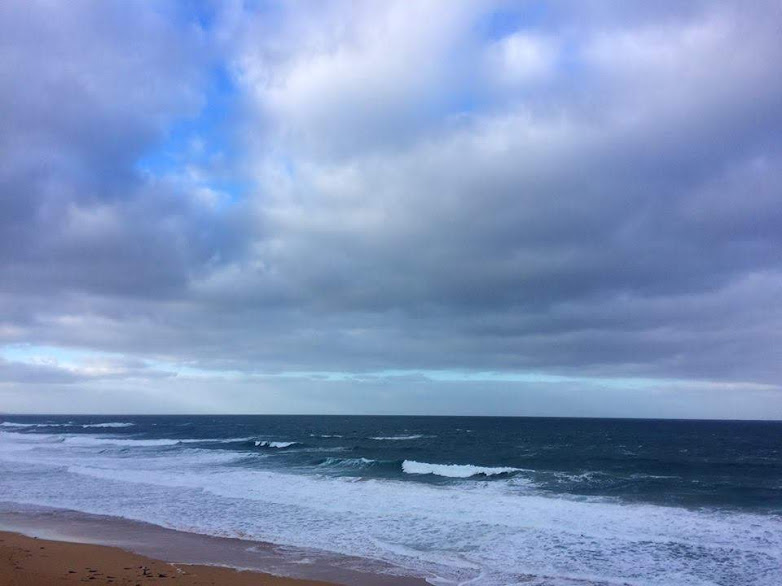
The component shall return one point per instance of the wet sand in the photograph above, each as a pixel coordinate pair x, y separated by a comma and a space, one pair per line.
28, 561
260, 562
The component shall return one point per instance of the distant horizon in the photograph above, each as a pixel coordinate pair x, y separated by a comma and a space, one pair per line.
103, 415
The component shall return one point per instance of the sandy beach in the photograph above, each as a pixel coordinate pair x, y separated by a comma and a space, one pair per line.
28, 561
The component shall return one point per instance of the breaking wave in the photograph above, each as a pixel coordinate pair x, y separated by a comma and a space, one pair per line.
110, 441
25, 425
268, 444
347, 462
454, 470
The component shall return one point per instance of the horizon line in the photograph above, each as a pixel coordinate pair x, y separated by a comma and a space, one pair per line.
3, 415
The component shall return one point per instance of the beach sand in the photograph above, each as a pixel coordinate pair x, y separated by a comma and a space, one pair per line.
27, 561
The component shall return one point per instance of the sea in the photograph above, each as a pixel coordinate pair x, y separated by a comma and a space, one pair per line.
450, 500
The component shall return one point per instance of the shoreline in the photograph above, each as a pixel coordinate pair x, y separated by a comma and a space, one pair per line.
235, 560
32, 561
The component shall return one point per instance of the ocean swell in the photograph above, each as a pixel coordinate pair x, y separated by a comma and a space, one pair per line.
398, 438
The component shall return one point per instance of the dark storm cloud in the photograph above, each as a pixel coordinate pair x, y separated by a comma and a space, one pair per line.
591, 189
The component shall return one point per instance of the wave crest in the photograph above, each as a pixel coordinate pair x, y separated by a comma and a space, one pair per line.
453, 470
268, 444
89, 440
347, 462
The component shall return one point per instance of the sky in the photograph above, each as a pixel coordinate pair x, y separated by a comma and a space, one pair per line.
565, 208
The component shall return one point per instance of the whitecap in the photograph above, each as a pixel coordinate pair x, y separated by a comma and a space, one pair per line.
24, 425
227, 440
268, 444
86, 441
453, 470
347, 462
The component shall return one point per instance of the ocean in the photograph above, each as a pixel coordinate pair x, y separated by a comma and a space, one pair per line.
452, 500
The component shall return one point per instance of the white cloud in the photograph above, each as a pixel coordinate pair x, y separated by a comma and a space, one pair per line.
523, 58
342, 79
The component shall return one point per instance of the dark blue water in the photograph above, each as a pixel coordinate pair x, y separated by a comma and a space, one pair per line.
693, 463
717, 478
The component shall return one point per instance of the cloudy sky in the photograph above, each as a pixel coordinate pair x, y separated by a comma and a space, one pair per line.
456, 207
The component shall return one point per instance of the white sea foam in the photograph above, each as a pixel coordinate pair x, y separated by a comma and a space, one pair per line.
91, 452
226, 440
453, 470
16, 441
13, 424
269, 444
347, 462
89, 440
399, 438
109, 424
84, 440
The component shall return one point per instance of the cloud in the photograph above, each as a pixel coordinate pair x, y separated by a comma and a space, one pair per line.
51, 372
90, 89
11, 372
520, 59
588, 190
